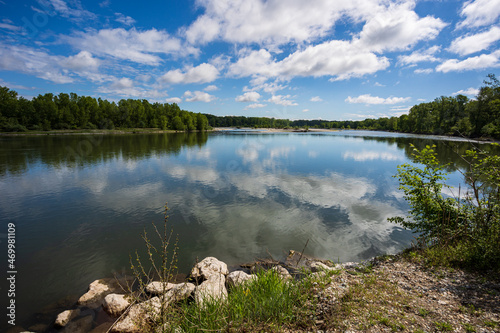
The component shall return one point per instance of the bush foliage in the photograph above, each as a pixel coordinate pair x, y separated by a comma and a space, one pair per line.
462, 229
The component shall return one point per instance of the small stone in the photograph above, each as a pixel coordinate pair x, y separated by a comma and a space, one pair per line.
97, 291
285, 274
81, 325
115, 304
157, 287
237, 278
66, 316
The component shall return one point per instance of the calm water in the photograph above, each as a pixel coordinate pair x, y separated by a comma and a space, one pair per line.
80, 203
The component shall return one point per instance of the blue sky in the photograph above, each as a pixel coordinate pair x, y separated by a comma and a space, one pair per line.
294, 59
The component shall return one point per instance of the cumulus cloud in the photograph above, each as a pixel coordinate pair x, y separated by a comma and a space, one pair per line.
33, 62
468, 92
198, 96
142, 47
398, 27
173, 100
83, 61
126, 20
340, 59
479, 13
368, 99
479, 62
203, 73
474, 43
255, 106
211, 87
251, 96
420, 56
282, 100
316, 99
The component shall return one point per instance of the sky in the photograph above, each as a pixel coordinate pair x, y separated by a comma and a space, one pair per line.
292, 59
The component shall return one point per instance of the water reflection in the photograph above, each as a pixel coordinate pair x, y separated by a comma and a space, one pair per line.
233, 196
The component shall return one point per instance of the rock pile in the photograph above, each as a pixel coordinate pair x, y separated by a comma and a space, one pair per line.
126, 313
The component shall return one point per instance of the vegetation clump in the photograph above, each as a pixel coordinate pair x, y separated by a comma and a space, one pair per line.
461, 230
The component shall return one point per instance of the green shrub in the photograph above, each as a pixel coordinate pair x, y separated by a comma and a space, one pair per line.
464, 230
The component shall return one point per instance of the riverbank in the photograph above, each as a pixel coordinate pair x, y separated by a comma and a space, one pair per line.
388, 293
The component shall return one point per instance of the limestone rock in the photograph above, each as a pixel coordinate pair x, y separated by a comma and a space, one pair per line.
115, 304
97, 291
211, 289
282, 271
209, 267
157, 287
318, 266
236, 278
132, 322
81, 325
179, 292
66, 316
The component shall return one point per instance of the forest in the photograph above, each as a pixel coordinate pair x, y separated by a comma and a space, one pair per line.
455, 115
50, 112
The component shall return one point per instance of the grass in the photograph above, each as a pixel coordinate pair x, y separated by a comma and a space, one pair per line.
267, 303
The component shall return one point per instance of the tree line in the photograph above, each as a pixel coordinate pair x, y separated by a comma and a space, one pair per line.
454, 115
70, 111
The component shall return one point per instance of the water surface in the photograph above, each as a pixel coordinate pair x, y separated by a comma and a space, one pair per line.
80, 203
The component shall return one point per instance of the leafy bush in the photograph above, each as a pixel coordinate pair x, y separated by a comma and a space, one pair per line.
463, 230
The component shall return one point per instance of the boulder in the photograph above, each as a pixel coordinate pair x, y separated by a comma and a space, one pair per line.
237, 278
116, 304
97, 291
133, 321
213, 288
81, 325
66, 316
157, 287
282, 271
179, 292
209, 267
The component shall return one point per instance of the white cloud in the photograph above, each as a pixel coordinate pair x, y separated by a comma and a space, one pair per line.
468, 92
142, 47
75, 13
33, 62
368, 99
251, 96
255, 106
398, 27
266, 22
211, 87
126, 87
305, 110
423, 71
198, 96
126, 20
173, 100
203, 73
9, 26
475, 43
479, 13
479, 62
340, 59
83, 61
420, 56
282, 100
316, 99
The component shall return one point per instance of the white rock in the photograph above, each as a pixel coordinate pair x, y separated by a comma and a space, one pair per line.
285, 274
132, 322
237, 278
97, 291
157, 287
179, 292
66, 316
213, 289
208, 267
318, 266
115, 304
